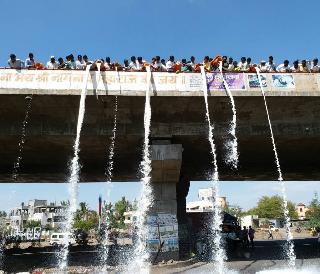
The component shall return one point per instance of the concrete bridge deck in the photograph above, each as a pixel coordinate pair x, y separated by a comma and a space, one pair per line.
178, 117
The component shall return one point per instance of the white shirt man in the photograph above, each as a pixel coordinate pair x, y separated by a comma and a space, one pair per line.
263, 66
15, 63
170, 66
243, 66
157, 66
271, 67
315, 67
284, 67
80, 64
295, 67
29, 63
132, 65
139, 66
52, 64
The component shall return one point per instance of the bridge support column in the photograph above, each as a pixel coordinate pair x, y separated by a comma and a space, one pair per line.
162, 220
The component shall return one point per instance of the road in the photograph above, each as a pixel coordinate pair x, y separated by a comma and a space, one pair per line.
265, 255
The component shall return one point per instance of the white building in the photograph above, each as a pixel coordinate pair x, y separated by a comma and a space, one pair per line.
301, 209
130, 217
249, 220
37, 210
205, 202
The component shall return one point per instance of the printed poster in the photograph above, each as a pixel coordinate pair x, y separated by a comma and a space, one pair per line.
283, 81
235, 81
253, 81
164, 227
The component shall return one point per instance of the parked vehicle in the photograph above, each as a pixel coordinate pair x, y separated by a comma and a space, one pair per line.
61, 238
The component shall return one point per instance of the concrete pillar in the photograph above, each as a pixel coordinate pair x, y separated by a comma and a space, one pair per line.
182, 190
162, 219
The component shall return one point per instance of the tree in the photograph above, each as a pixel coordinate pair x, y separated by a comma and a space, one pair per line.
48, 227
272, 207
120, 208
314, 213
84, 209
3, 214
114, 215
235, 211
32, 224
85, 219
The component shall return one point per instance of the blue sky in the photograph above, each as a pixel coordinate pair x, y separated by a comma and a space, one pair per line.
286, 29
99, 28
243, 194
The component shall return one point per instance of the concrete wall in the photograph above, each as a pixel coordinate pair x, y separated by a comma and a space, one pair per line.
48, 82
177, 115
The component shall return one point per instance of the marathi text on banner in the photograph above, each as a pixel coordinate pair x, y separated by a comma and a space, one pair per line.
235, 81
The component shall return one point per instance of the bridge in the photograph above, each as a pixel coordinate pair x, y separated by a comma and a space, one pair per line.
180, 149
178, 117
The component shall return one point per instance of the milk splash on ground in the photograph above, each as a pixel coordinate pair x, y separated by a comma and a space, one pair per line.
218, 252
108, 173
141, 254
74, 178
290, 271
232, 145
289, 247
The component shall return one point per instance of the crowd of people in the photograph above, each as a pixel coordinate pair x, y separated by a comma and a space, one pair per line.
158, 64
246, 236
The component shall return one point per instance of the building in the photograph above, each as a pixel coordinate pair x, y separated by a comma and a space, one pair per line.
130, 217
51, 214
205, 202
4, 225
249, 220
301, 209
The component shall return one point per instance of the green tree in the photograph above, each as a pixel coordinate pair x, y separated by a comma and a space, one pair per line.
3, 214
120, 208
85, 218
114, 214
32, 224
272, 207
84, 210
235, 211
314, 212
48, 227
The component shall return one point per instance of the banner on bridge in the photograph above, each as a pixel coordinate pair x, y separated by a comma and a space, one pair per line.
283, 81
235, 81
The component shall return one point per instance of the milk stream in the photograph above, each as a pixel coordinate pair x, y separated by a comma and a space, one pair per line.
74, 178
141, 254
232, 145
289, 246
17, 163
99, 76
218, 252
108, 173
